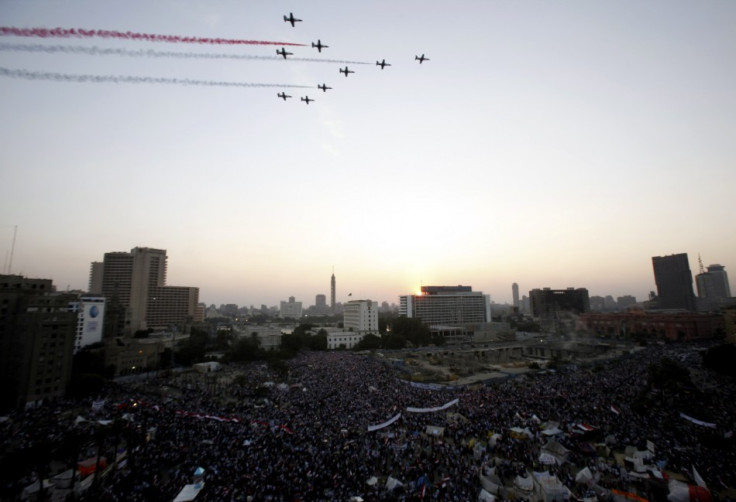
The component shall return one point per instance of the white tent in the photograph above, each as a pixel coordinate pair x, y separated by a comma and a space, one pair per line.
550, 487
484, 496
584, 476
524, 484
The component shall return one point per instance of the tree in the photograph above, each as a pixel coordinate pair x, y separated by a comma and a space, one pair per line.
412, 330
369, 342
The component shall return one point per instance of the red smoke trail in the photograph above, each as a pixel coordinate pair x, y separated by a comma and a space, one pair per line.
128, 35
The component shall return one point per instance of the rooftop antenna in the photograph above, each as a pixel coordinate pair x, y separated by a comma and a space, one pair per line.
12, 249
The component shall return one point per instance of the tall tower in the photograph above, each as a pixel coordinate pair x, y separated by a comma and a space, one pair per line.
332, 293
674, 282
515, 293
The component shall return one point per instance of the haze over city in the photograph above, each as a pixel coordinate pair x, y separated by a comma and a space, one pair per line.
558, 145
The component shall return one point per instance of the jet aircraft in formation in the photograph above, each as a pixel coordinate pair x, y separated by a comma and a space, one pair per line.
283, 52
291, 19
319, 45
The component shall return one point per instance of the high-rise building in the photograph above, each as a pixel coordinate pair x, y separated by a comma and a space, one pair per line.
674, 282
447, 305
37, 334
361, 316
95, 278
292, 309
136, 281
515, 294
713, 283
332, 293
320, 304
548, 303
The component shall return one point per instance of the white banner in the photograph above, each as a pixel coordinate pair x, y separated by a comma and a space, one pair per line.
699, 422
388, 422
430, 410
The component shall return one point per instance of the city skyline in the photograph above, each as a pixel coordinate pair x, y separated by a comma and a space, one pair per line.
549, 145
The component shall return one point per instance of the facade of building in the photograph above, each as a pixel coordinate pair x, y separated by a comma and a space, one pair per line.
37, 334
547, 303
447, 306
361, 316
343, 339
680, 326
515, 294
674, 282
90, 320
292, 309
135, 282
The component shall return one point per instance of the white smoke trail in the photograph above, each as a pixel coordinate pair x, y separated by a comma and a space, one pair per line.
131, 79
101, 51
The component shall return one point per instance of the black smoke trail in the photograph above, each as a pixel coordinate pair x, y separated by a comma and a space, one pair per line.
102, 51
131, 79
128, 35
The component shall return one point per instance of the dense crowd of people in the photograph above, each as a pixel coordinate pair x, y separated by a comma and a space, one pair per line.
340, 425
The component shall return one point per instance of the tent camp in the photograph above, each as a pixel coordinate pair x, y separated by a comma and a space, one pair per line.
550, 487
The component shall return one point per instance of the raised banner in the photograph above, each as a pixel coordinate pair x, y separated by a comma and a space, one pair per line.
388, 422
696, 421
436, 408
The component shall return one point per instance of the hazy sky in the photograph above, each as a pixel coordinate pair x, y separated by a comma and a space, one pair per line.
558, 144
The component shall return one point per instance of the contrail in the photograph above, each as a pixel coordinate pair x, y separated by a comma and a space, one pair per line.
128, 35
102, 51
131, 79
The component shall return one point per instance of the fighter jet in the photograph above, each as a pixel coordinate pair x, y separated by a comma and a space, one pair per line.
382, 64
319, 45
306, 99
283, 95
421, 59
346, 71
291, 19
283, 52
323, 87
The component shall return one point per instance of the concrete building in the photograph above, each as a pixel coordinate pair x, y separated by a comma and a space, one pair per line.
361, 316
343, 339
291, 309
515, 294
547, 303
674, 282
447, 306
37, 334
136, 282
